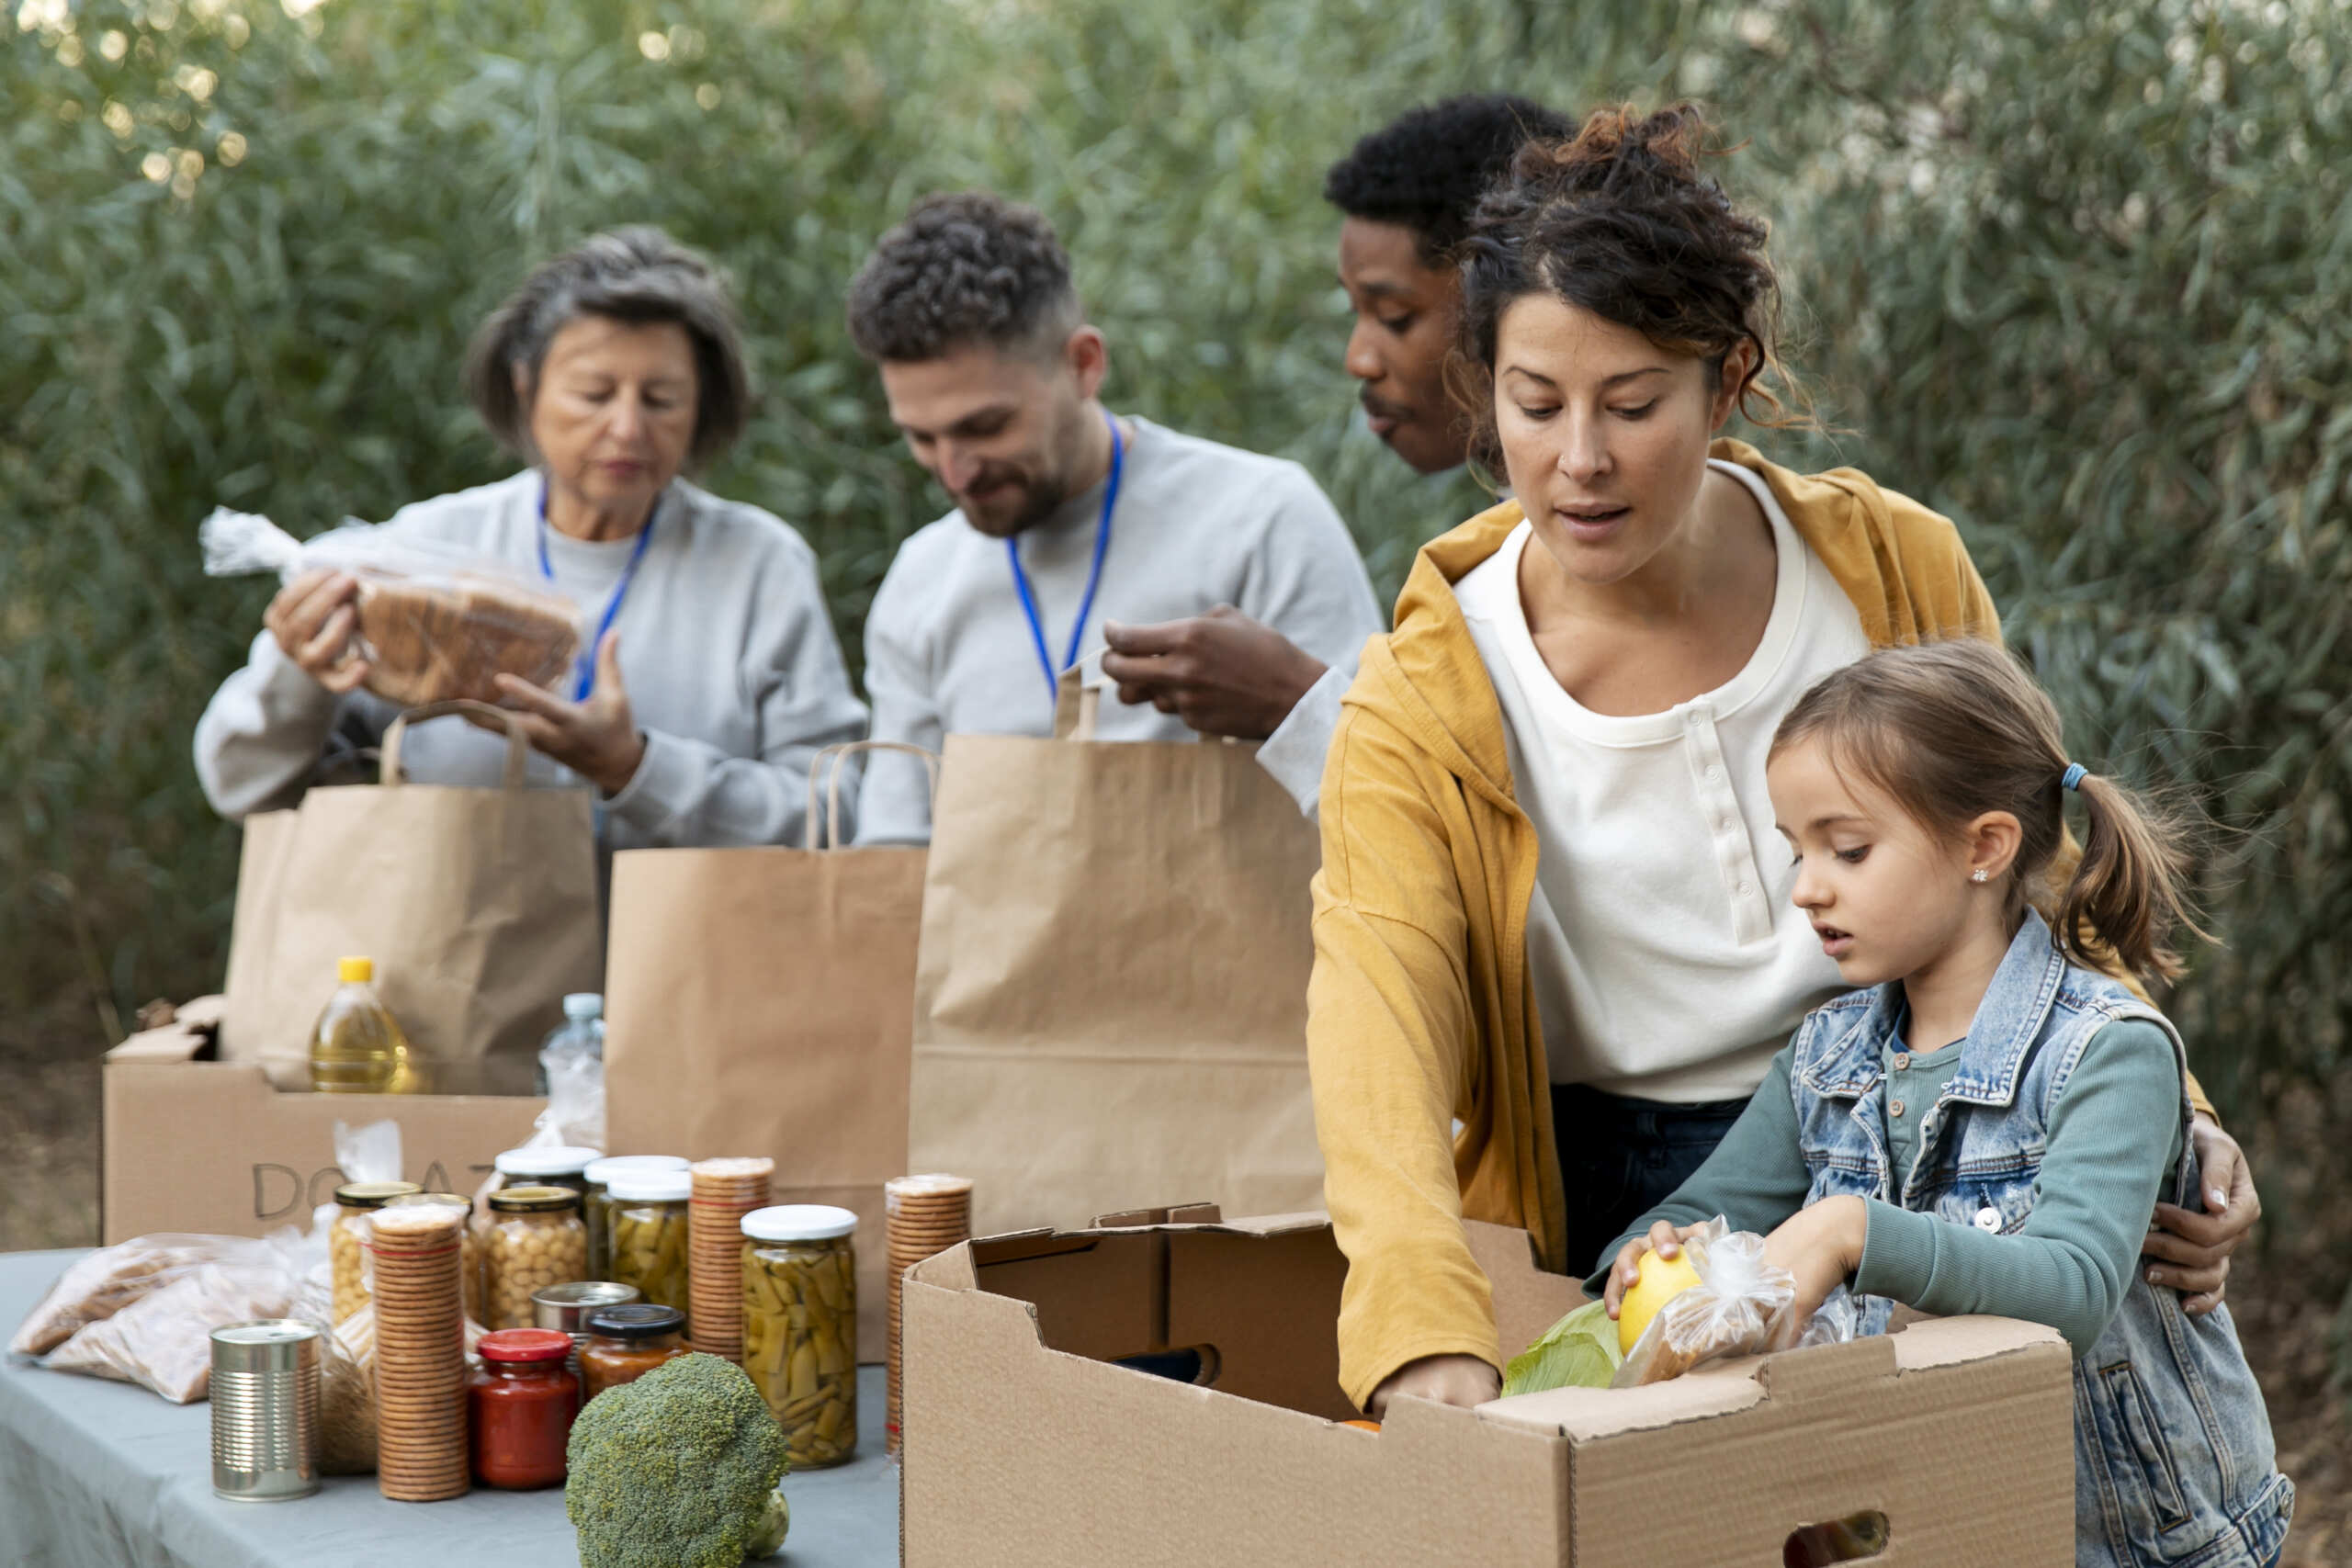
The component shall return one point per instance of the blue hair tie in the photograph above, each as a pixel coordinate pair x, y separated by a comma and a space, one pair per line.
2073, 775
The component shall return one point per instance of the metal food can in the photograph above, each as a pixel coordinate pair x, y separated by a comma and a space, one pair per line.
265, 1411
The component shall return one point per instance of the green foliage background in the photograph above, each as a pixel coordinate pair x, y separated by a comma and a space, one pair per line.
2076, 273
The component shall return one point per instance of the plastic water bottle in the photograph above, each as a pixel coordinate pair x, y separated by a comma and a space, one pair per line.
582, 1037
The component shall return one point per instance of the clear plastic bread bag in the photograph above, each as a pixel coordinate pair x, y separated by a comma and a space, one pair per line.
1742, 1305
437, 621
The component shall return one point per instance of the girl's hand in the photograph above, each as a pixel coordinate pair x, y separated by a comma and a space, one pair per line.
1663, 1239
1821, 1246
2190, 1252
598, 738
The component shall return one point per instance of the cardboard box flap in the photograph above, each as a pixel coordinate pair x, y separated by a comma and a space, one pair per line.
1947, 1341
1584, 1415
193, 1035
1527, 1301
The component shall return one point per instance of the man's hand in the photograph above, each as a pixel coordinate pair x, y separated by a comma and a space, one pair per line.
1222, 673
598, 738
313, 618
1465, 1381
2190, 1253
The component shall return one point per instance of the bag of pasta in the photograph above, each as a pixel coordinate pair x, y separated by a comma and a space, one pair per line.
99, 1284
436, 621
163, 1340
1742, 1305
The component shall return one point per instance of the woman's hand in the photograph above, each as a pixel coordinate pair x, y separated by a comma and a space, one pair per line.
1822, 1245
1465, 1381
598, 738
313, 618
2190, 1253
1664, 1239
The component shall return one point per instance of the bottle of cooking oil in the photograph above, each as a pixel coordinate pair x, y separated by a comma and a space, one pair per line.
356, 1047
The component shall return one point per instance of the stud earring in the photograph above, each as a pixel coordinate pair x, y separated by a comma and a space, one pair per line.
1976, 875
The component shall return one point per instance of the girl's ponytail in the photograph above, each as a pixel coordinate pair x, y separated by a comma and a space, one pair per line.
2127, 892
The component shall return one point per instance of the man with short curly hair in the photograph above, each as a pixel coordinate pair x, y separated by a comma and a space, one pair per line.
1074, 526
1408, 190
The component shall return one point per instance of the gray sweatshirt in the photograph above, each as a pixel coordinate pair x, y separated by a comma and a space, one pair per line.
1197, 525
732, 669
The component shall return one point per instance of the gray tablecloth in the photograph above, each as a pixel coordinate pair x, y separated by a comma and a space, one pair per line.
97, 1474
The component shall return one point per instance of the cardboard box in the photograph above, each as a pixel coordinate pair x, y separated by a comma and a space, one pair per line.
1024, 1444
193, 1143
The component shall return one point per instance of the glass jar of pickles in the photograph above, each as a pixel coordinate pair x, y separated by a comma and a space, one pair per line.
468, 1253
353, 1203
800, 1326
649, 1246
534, 1240
627, 1342
597, 1208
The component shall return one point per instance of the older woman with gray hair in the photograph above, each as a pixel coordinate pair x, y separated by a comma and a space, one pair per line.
714, 675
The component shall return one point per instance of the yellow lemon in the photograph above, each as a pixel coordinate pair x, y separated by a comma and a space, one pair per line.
1661, 1280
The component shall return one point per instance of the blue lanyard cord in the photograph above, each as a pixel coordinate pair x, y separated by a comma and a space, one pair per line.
584, 681
1094, 576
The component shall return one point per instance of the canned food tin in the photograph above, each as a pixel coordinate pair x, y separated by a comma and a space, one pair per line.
265, 1411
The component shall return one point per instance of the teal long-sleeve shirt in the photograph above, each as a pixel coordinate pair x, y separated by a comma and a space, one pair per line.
2070, 1263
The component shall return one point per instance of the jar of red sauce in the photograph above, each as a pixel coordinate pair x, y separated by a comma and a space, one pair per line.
523, 1401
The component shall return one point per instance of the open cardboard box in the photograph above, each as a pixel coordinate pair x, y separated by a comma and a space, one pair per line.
194, 1143
1024, 1442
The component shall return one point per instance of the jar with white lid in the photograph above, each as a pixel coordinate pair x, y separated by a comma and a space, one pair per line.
648, 1247
597, 1208
552, 1167
800, 1325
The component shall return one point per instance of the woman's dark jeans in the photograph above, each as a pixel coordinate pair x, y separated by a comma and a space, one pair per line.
1620, 1157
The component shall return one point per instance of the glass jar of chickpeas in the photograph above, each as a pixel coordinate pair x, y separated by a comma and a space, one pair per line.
598, 1207
345, 1240
800, 1326
534, 1240
468, 1253
649, 1234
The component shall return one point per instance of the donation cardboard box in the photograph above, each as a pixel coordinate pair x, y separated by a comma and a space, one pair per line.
192, 1144
1947, 1444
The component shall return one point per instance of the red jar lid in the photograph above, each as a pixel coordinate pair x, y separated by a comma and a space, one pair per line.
524, 1345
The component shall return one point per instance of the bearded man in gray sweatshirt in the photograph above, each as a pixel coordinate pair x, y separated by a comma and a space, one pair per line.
1072, 520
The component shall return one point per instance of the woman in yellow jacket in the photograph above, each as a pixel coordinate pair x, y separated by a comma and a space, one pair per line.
1553, 949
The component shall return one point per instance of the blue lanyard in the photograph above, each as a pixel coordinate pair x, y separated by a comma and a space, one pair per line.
1093, 577
586, 680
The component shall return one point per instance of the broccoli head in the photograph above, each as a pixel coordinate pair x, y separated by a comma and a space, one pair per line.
673, 1470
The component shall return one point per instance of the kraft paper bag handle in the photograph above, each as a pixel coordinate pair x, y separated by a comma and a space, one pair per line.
519, 750
1077, 705
836, 755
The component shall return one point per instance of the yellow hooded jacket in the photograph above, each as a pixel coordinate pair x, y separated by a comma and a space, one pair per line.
1422, 1009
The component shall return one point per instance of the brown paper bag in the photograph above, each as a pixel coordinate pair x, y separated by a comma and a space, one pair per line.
758, 1001
1111, 1000
478, 906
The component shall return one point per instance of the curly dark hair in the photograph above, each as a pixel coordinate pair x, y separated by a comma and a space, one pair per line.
964, 268
1621, 221
639, 274
1426, 169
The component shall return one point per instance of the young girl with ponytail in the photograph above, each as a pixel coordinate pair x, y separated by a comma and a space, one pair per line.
1983, 1126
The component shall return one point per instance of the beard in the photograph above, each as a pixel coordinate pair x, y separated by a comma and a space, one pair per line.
1014, 504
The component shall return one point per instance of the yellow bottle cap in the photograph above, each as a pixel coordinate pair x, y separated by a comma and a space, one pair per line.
355, 971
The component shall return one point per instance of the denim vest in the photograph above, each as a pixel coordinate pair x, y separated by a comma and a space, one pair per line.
2173, 1457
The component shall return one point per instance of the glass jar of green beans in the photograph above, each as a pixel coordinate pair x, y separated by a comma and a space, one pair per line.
800, 1326
648, 1215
